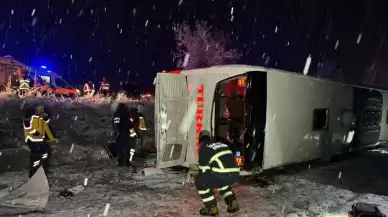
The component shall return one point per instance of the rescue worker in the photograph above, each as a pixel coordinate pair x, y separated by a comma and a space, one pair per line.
89, 88
24, 84
122, 126
139, 126
14, 81
217, 169
37, 133
105, 87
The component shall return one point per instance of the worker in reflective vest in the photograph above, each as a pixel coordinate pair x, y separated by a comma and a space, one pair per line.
122, 126
105, 87
37, 133
24, 85
139, 126
88, 88
217, 170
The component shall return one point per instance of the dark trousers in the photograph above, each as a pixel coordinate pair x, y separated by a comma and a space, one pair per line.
105, 93
22, 92
124, 144
40, 153
206, 182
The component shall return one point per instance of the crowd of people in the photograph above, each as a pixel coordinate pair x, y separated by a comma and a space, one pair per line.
129, 88
89, 88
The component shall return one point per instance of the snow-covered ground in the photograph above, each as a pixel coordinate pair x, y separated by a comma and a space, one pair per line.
327, 190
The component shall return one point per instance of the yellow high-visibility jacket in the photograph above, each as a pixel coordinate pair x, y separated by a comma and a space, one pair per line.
142, 124
36, 129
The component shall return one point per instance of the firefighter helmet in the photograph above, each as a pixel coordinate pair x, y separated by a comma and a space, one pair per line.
204, 135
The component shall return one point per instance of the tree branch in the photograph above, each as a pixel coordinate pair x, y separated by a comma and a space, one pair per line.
205, 47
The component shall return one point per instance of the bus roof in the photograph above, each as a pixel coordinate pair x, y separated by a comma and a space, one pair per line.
241, 69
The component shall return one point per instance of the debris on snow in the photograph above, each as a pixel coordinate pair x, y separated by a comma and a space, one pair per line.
106, 210
149, 171
85, 181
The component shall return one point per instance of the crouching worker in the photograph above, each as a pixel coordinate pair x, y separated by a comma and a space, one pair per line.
37, 134
217, 170
122, 126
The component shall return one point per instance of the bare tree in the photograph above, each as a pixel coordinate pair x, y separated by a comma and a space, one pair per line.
202, 47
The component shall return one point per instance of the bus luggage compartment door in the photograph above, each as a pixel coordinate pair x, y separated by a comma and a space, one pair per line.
171, 101
368, 106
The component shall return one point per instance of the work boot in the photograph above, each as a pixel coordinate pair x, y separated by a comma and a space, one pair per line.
209, 211
232, 204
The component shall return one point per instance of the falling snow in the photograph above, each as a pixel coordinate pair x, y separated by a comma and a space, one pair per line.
311, 192
60, 33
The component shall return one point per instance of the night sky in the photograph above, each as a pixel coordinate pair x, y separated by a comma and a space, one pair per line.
88, 39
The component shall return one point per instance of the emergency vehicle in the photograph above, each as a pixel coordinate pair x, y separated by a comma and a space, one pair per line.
282, 117
41, 77
50, 82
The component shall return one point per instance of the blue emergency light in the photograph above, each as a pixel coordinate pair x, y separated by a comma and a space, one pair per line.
43, 67
238, 154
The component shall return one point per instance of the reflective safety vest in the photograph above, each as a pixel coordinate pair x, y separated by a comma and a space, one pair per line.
218, 158
24, 84
132, 133
36, 129
88, 87
105, 86
142, 124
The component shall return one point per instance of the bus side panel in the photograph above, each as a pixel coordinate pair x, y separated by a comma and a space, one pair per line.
193, 82
293, 103
384, 118
368, 106
209, 82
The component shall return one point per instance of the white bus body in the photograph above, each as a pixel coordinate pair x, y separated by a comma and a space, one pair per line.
288, 117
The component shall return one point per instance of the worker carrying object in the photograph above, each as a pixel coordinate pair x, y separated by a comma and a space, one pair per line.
88, 88
37, 134
217, 169
105, 87
125, 134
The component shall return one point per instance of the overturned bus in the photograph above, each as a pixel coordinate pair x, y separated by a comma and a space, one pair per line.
268, 117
